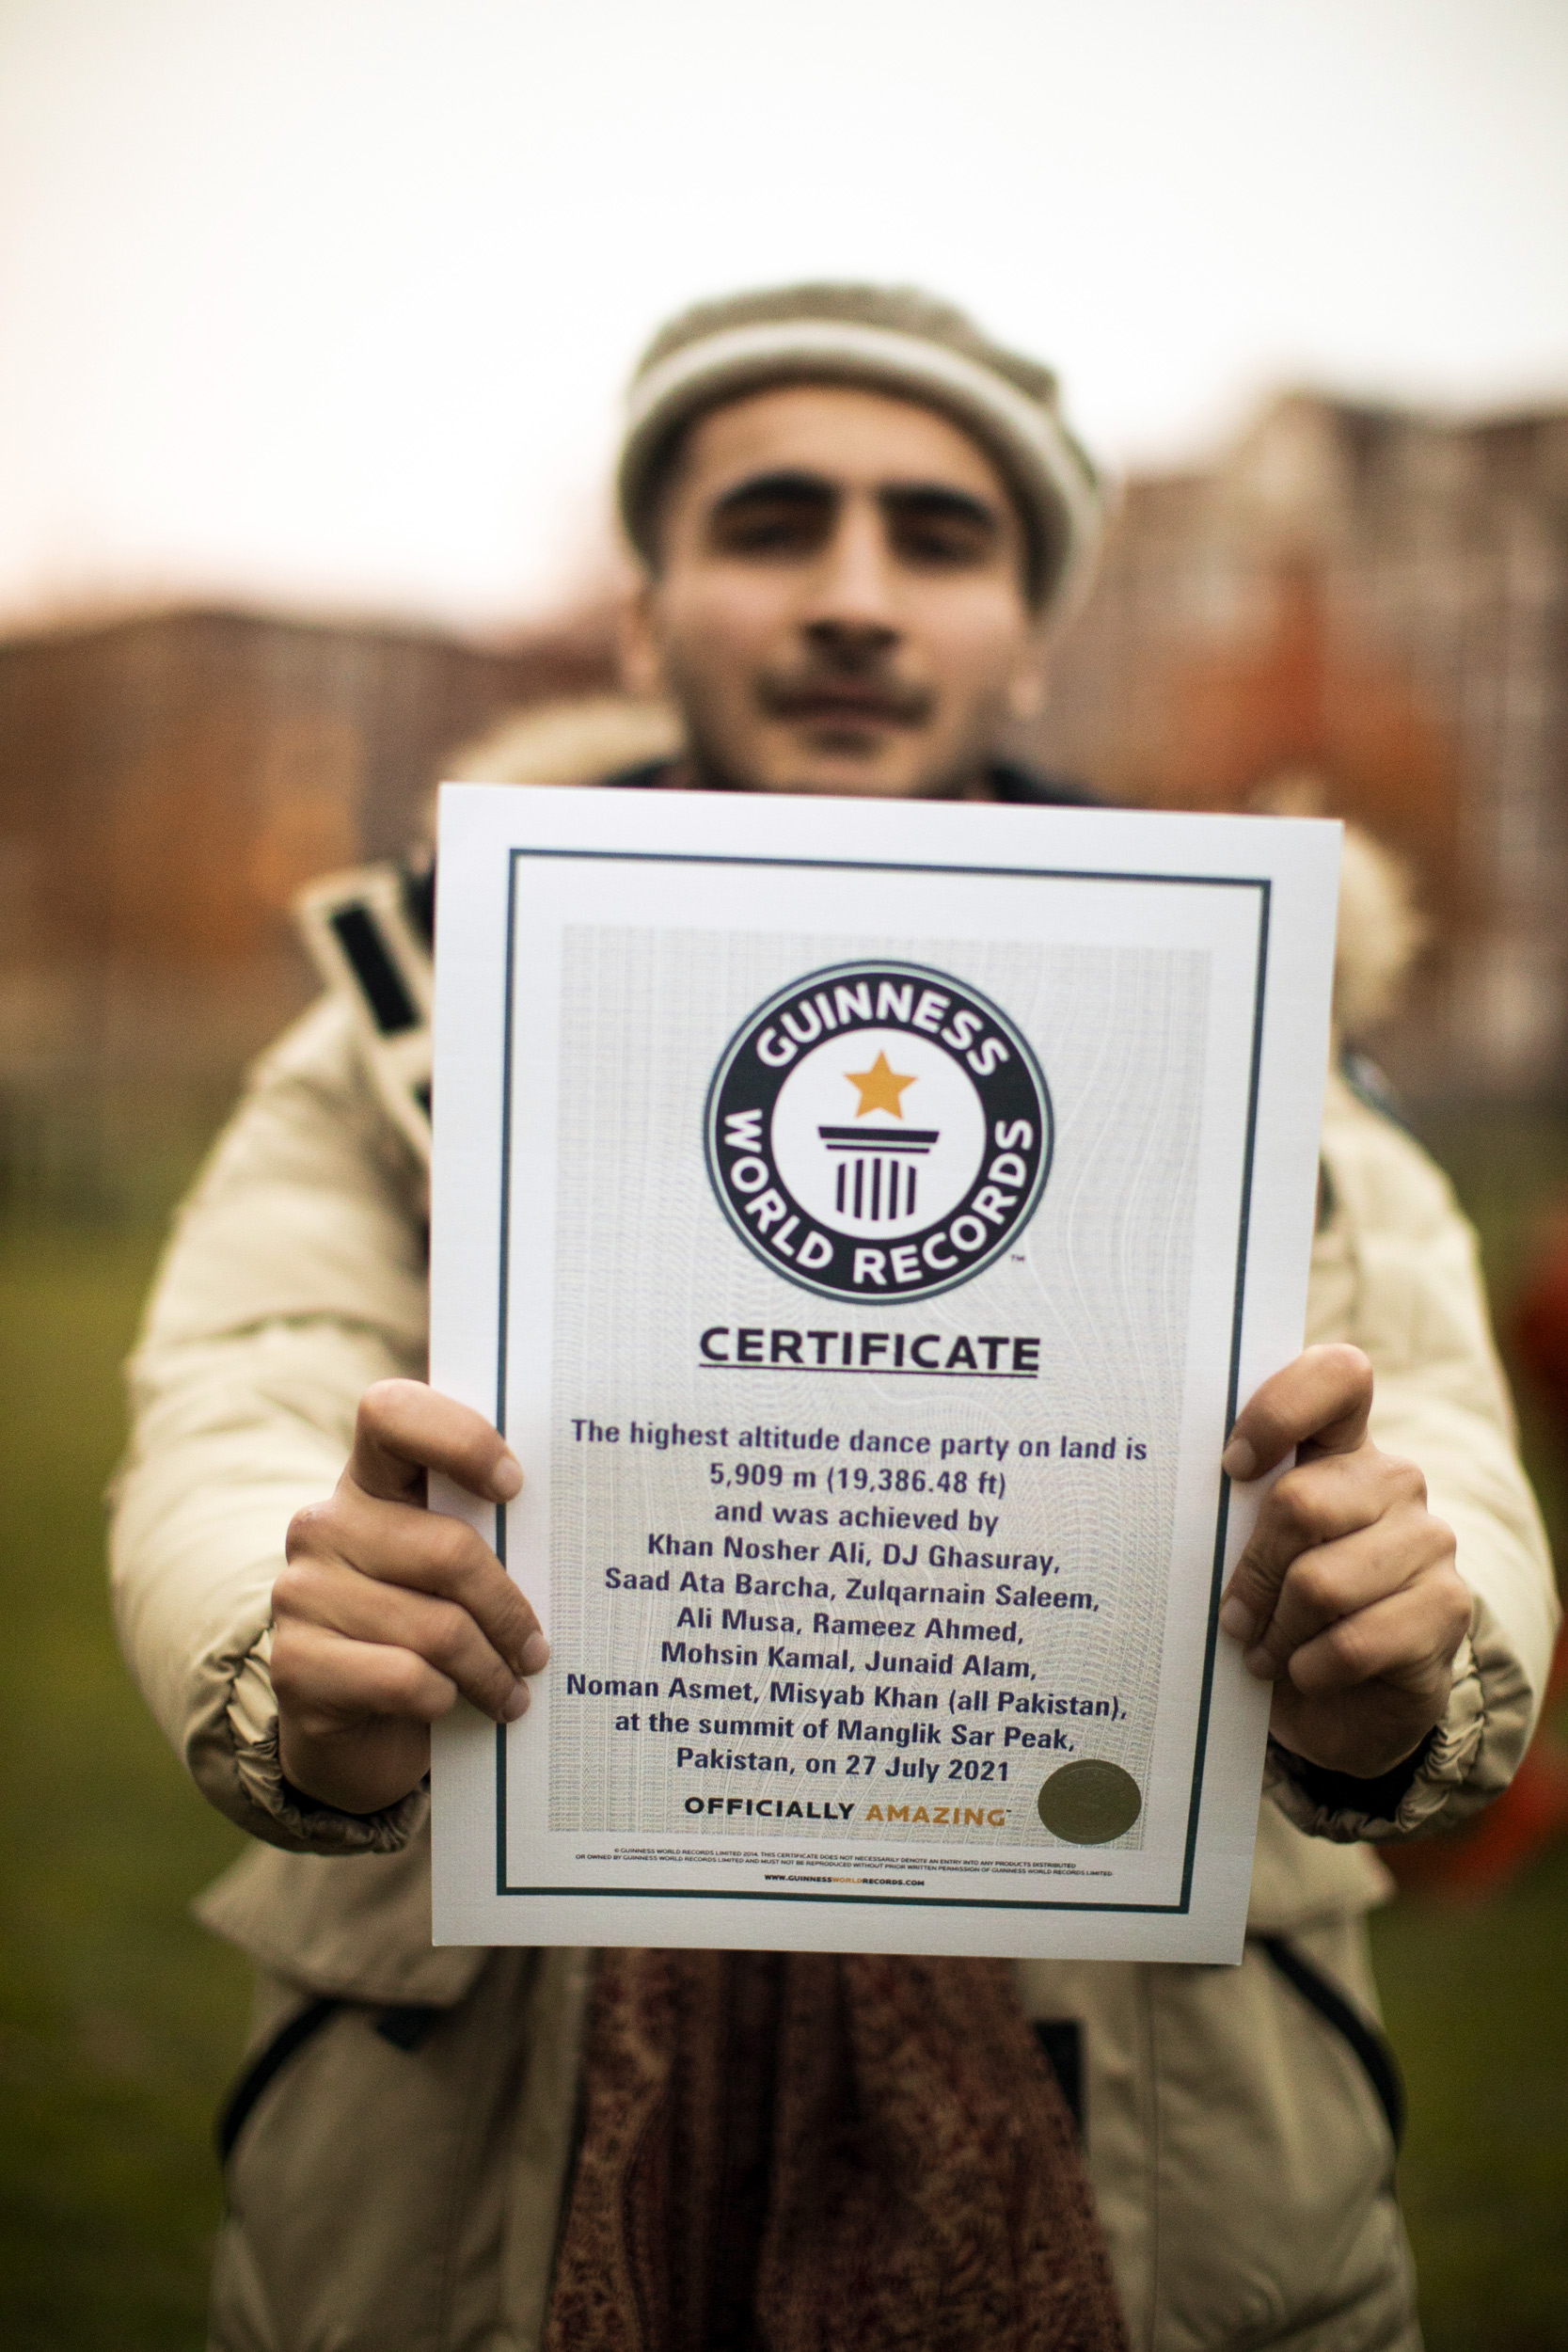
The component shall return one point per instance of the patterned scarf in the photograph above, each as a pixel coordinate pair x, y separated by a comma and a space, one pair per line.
816, 2153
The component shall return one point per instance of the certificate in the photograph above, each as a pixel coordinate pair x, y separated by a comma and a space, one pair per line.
864, 1221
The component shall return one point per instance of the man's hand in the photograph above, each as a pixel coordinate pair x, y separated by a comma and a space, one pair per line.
386, 1610
1347, 1598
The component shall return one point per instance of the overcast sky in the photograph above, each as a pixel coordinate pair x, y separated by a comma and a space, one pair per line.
328, 303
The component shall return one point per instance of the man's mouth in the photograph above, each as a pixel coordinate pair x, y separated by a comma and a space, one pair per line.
824, 702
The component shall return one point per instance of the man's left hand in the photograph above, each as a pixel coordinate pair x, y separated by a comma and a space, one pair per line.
1347, 1598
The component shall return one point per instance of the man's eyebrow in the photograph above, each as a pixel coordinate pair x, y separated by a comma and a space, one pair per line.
939, 498
787, 484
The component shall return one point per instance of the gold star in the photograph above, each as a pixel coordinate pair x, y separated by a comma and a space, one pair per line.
880, 1088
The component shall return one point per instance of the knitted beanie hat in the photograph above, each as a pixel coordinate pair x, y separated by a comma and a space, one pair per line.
890, 339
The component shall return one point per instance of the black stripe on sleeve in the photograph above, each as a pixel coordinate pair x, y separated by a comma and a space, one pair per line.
379, 978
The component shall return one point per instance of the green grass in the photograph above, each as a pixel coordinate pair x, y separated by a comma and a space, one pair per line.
1473, 1999
119, 2020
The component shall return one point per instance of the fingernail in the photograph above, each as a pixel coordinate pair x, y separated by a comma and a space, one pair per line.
1238, 1460
516, 1703
506, 1479
1238, 1620
536, 1652
1259, 1661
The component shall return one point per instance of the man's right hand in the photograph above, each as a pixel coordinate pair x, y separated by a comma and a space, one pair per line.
386, 1610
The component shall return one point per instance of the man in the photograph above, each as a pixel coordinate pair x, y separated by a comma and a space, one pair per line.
857, 522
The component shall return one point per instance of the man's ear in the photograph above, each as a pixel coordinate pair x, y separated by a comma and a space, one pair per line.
639, 656
1029, 682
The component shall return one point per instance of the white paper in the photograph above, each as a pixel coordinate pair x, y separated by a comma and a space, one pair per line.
916, 1191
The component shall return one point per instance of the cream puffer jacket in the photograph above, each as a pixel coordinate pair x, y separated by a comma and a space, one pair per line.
1242, 2163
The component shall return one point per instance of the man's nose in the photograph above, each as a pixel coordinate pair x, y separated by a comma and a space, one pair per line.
853, 600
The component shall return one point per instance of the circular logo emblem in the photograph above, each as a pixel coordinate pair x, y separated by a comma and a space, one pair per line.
879, 1131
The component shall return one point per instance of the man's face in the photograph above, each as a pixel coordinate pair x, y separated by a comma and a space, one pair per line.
838, 605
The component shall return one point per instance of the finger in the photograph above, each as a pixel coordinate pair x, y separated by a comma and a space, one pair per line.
430, 1552
1336, 1579
1312, 1507
334, 1600
404, 1429
1323, 1399
325, 1682
1408, 1640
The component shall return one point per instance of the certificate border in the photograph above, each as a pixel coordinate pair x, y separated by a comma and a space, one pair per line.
1262, 884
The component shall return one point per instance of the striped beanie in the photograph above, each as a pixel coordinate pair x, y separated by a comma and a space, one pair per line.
890, 338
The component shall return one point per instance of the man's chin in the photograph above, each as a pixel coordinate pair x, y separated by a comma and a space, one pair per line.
881, 763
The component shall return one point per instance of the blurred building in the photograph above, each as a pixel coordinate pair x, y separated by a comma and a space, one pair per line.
1356, 609
1369, 609
167, 783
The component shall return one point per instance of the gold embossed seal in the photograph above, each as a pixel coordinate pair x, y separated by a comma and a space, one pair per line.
1089, 1801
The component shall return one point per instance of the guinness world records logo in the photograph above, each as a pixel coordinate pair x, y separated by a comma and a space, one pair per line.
878, 1130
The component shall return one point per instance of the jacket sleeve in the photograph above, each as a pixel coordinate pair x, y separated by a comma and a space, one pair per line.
296, 1277
1396, 1271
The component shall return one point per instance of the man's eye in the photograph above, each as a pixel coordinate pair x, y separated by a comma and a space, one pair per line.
941, 541
767, 530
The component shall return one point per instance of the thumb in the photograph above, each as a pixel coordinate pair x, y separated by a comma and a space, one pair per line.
1319, 1404
404, 1428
